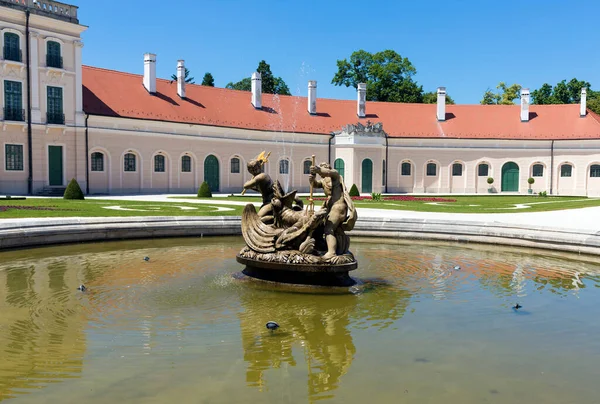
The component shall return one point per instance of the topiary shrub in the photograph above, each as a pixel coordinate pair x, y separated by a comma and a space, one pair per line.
490, 180
204, 191
73, 191
354, 191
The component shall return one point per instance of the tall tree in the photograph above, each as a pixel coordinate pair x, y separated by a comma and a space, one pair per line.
270, 83
188, 80
208, 80
504, 96
561, 93
431, 98
593, 101
387, 74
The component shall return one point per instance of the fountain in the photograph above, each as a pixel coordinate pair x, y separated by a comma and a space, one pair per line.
288, 243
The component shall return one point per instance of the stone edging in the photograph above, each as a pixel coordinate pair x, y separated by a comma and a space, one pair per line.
20, 233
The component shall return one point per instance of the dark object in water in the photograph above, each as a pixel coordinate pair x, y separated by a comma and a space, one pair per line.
272, 325
146, 258
517, 306
82, 288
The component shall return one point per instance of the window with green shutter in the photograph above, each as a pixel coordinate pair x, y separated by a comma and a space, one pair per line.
431, 169
339, 166
53, 57
12, 47
406, 167
13, 157
13, 101
55, 105
457, 170
483, 170
565, 170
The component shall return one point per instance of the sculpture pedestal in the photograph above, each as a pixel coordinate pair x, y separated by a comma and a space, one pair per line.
322, 274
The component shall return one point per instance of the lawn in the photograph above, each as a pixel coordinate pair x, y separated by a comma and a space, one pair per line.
55, 207
459, 204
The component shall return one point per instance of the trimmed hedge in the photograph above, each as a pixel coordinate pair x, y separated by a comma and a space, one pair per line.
73, 191
354, 191
204, 191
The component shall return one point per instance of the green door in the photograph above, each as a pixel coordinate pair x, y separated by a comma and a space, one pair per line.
367, 176
211, 173
510, 177
55, 165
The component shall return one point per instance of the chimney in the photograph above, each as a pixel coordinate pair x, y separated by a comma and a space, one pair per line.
181, 78
312, 97
362, 100
583, 105
150, 72
441, 103
525, 105
256, 90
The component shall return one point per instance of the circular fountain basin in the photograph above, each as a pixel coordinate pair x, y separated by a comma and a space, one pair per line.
426, 322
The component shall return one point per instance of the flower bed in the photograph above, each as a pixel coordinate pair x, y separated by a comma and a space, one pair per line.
4, 208
401, 198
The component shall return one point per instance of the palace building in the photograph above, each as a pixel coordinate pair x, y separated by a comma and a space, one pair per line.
123, 133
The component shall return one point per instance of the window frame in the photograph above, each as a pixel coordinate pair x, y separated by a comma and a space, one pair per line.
570, 170
16, 164
19, 110
93, 162
188, 159
125, 163
232, 165
7, 49
160, 163
402, 171
50, 55
284, 167
341, 170
596, 168
431, 164
58, 114
487, 170
306, 167
535, 174
455, 169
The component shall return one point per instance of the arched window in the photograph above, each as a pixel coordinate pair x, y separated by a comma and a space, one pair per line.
566, 170
383, 173
595, 171
339, 165
483, 170
235, 165
53, 58
406, 168
186, 164
431, 169
159, 163
12, 47
457, 170
284, 167
129, 162
97, 161
306, 165
537, 170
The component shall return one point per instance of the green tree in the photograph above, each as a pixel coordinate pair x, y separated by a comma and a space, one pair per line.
431, 98
204, 191
387, 74
208, 80
593, 101
73, 191
504, 96
561, 93
270, 83
543, 95
188, 80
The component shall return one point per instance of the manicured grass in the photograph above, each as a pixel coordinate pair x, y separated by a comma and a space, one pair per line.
464, 204
49, 207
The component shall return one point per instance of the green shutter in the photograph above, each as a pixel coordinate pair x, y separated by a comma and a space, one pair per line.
339, 166
12, 47
13, 100
367, 176
55, 105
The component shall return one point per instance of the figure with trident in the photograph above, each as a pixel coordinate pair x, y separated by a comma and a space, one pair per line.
341, 214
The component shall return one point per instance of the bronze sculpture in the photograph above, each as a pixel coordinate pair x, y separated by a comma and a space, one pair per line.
287, 243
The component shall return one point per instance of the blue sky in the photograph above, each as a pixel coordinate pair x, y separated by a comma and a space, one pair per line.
466, 46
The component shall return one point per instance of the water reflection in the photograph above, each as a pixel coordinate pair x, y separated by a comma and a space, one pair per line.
42, 337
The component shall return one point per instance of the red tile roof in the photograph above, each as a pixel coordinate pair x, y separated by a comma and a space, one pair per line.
113, 93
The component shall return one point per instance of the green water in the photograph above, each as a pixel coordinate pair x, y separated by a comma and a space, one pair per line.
180, 329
